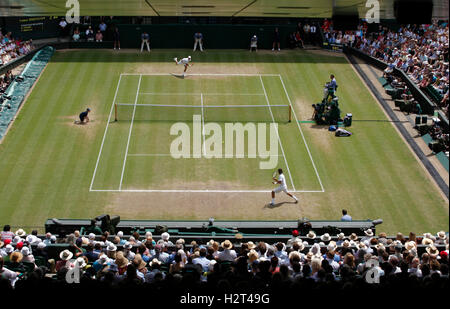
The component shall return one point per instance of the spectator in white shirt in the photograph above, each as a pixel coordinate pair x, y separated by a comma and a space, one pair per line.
7, 274
227, 254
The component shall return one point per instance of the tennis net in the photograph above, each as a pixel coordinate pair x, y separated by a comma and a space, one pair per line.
210, 113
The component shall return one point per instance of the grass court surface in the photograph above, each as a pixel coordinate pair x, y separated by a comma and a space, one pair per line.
51, 167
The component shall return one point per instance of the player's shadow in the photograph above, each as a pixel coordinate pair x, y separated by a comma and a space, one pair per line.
181, 76
276, 205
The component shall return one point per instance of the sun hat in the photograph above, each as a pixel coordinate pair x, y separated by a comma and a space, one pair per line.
127, 245
155, 261
332, 246
325, 237
65, 255
311, 235
427, 241
20, 232
16, 239
121, 261
253, 255
227, 244
340, 236
368, 232
31, 238
353, 237
251, 245
346, 243
111, 247
139, 262
120, 233
361, 245
9, 249
80, 262
442, 235
25, 251
380, 246
409, 245
91, 236
181, 241
103, 259
432, 250
165, 236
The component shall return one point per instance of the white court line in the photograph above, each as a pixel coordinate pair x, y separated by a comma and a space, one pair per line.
196, 93
203, 126
200, 106
129, 133
278, 135
301, 132
104, 134
169, 155
200, 74
199, 191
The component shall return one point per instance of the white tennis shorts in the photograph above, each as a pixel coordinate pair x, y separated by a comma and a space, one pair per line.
280, 189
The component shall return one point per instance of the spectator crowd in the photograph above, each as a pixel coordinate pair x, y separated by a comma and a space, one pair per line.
302, 262
421, 51
11, 48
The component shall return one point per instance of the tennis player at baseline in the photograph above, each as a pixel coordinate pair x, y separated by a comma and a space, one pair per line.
185, 62
281, 188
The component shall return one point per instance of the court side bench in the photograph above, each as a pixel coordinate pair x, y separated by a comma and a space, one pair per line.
67, 226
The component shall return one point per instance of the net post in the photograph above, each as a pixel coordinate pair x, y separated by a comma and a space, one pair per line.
290, 113
115, 112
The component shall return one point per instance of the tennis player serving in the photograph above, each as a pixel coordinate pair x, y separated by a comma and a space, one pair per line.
282, 186
185, 62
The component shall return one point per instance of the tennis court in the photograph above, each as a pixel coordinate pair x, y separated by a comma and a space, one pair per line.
135, 152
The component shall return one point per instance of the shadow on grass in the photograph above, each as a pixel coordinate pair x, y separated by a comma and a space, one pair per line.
211, 56
277, 205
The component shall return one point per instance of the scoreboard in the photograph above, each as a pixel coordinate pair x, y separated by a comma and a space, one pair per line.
32, 27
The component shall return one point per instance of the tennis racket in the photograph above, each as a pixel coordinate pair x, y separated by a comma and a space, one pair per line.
273, 176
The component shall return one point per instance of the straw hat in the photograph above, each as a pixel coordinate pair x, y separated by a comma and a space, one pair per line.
325, 237
251, 245
154, 262
311, 235
368, 232
361, 246
20, 233
427, 241
380, 246
253, 255
409, 245
346, 244
340, 236
353, 237
332, 246
139, 262
121, 261
65, 255
432, 251
227, 244
442, 235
